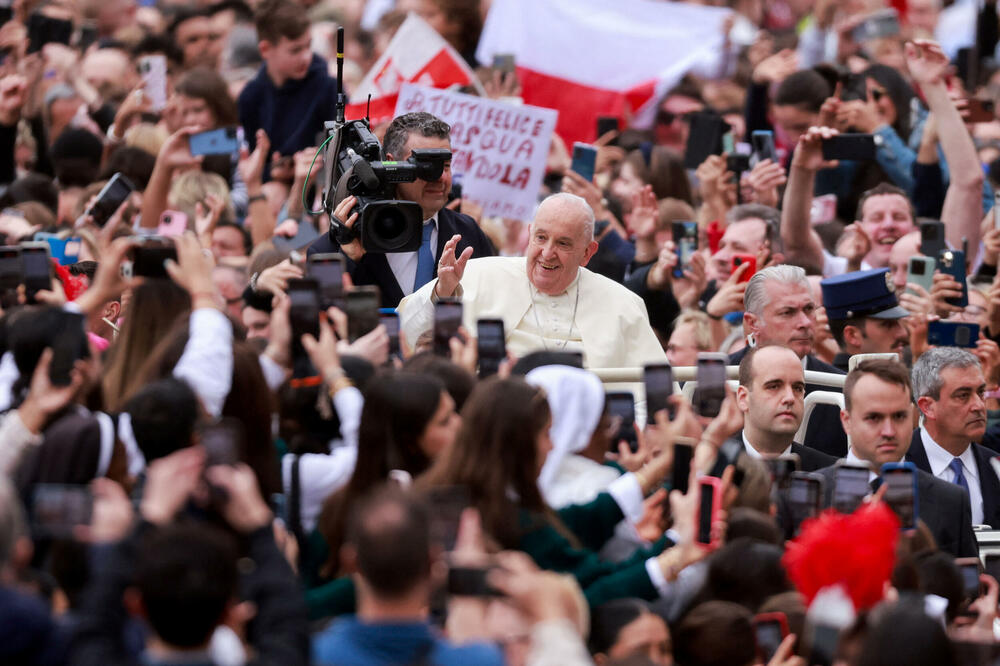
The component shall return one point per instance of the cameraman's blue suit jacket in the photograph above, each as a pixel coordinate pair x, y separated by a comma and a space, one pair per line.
374, 269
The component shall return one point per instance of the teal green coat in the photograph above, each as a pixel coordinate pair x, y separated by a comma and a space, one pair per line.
592, 524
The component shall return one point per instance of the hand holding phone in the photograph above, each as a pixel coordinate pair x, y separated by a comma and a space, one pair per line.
710, 391
491, 345
621, 405
584, 160
362, 311
447, 320
709, 505
658, 379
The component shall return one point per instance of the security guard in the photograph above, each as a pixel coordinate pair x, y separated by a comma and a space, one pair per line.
864, 314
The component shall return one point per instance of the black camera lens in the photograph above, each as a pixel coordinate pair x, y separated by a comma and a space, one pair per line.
390, 227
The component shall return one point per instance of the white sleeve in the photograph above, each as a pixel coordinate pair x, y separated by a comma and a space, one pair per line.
207, 362
274, 374
557, 643
15, 440
8, 375
628, 494
320, 475
348, 403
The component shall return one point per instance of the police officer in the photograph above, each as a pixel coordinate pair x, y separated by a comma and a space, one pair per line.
864, 313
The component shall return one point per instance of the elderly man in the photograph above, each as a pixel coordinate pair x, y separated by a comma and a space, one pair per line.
780, 310
547, 299
948, 384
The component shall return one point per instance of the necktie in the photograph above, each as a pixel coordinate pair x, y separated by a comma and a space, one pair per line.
875, 484
956, 466
425, 259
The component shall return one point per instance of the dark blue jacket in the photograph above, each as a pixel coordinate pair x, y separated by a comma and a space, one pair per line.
374, 269
293, 114
349, 642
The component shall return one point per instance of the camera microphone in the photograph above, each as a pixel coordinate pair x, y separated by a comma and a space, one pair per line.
363, 171
341, 98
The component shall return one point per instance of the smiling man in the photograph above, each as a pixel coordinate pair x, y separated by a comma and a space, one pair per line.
949, 385
400, 273
547, 299
878, 416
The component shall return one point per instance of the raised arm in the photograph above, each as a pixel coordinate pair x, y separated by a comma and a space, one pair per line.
962, 210
802, 243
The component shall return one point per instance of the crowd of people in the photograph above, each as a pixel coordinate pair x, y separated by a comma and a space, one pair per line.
194, 471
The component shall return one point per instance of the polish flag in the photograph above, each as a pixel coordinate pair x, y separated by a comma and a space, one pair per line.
416, 54
590, 58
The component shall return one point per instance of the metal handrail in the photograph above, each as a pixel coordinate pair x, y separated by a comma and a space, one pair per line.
687, 374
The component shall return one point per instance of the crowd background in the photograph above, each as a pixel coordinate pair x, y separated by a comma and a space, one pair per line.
291, 547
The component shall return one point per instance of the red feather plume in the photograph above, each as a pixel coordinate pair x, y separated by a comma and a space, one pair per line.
857, 551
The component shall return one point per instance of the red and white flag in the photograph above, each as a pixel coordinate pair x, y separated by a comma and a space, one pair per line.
416, 54
590, 58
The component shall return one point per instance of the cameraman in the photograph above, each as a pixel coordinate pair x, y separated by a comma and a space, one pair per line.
401, 273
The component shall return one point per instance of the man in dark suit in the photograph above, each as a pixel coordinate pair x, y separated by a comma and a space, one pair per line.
780, 311
398, 274
770, 395
948, 383
878, 416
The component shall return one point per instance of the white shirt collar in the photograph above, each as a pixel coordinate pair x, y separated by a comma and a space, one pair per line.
853, 458
754, 453
940, 459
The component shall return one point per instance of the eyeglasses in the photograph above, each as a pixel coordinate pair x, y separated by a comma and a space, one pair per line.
668, 117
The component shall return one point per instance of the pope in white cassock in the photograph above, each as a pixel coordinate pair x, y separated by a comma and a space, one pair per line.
547, 299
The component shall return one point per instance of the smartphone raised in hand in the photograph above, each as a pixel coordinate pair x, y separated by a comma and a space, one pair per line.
658, 379
362, 311
710, 391
447, 321
491, 345
328, 270
621, 406
109, 199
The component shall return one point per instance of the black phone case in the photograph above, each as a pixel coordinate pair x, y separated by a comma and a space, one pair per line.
856, 147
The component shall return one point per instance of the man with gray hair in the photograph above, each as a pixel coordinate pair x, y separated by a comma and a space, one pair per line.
948, 385
779, 310
397, 274
547, 299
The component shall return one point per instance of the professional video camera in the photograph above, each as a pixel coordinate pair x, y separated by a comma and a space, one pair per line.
352, 165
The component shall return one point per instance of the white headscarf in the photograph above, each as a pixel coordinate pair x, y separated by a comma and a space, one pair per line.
576, 399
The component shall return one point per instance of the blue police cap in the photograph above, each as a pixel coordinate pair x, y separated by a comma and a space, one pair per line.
868, 293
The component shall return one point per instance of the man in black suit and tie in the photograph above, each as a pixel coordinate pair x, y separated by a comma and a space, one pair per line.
770, 395
879, 418
948, 383
779, 310
398, 274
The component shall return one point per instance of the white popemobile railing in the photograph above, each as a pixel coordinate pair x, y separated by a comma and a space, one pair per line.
989, 539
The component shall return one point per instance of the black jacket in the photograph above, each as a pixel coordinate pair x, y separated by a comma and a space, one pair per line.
825, 432
989, 484
278, 634
374, 269
942, 506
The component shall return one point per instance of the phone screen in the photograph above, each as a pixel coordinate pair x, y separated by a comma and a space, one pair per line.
148, 259
621, 406
710, 391
706, 507
899, 495
763, 145
447, 320
804, 499
686, 243
303, 314
37, 268
447, 504
329, 273
110, 198
469, 582
970, 579
680, 475
769, 637
391, 322
11, 267
56, 509
850, 487
222, 442
69, 345
781, 469
222, 141
491, 339
659, 381
584, 160
362, 313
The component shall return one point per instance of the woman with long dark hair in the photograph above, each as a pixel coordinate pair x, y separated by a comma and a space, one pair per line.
498, 454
